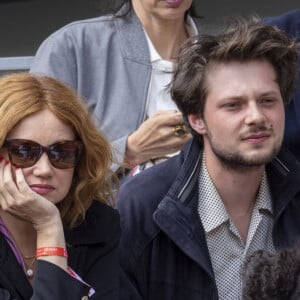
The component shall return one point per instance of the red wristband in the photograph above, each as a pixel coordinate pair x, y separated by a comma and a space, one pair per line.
48, 251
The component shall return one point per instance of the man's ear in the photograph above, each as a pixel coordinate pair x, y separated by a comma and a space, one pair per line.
197, 123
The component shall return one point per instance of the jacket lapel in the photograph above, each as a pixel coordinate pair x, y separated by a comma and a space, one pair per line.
177, 213
182, 225
284, 178
133, 40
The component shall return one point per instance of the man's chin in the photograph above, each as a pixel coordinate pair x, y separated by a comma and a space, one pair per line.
262, 156
242, 160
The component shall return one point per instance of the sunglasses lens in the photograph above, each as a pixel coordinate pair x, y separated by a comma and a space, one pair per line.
23, 153
64, 155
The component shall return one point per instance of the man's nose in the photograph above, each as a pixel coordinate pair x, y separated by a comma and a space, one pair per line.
254, 115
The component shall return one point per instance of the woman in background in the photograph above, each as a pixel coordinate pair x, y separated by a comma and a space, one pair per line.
122, 64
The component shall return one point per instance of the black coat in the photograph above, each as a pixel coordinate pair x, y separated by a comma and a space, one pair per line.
163, 248
93, 255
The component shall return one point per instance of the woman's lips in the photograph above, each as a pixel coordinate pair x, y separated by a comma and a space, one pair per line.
42, 189
173, 3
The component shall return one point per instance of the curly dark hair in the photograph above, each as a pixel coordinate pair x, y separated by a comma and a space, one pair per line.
272, 276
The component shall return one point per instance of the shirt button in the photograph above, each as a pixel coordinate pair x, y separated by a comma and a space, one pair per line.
85, 298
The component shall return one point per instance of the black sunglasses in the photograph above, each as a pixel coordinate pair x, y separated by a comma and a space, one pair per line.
25, 153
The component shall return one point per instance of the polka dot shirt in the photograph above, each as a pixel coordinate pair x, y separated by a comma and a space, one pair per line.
228, 251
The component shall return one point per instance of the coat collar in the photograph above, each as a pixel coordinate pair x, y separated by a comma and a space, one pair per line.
284, 177
133, 40
177, 213
283, 174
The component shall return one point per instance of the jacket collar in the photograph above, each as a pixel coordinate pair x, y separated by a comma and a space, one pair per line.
283, 174
284, 177
133, 40
177, 213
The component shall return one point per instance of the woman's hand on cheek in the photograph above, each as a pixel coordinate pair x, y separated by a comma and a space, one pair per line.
17, 198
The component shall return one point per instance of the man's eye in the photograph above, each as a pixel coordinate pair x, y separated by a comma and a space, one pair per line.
268, 101
232, 105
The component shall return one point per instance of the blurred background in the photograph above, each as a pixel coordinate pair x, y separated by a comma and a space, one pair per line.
24, 24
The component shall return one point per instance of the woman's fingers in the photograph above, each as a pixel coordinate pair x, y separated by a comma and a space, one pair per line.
156, 137
17, 198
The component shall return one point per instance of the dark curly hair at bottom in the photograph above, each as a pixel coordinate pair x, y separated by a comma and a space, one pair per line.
272, 276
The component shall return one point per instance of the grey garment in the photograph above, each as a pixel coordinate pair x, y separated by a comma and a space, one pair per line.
106, 60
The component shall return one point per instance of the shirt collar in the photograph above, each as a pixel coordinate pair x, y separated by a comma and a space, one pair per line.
154, 55
211, 208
